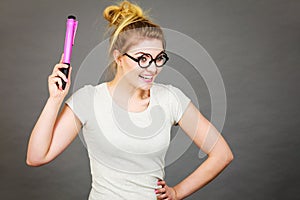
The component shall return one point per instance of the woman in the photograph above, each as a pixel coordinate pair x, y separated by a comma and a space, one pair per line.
127, 156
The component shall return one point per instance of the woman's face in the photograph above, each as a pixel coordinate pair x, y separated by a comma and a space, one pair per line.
136, 76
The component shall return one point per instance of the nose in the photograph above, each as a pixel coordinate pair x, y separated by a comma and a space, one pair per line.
152, 68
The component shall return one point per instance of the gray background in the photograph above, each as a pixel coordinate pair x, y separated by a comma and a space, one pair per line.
255, 45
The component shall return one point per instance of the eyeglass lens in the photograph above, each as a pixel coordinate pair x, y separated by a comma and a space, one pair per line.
146, 59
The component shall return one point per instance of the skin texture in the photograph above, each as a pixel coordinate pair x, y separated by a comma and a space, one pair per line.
53, 132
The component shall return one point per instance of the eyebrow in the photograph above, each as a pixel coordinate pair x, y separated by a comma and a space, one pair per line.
140, 52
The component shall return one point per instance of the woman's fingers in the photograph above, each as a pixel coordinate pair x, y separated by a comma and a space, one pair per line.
58, 66
162, 183
162, 196
161, 191
57, 80
69, 79
62, 75
57, 72
57, 75
165, 192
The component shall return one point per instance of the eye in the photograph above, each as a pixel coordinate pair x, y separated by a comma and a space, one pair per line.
143, 59
160, 58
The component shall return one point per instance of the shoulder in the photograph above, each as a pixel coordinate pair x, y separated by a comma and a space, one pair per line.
89, 88
84, 88
167, 89
170, 94
162, 87
173, 94
84, 92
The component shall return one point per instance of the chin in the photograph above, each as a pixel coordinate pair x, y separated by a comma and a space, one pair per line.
146, 86
143, 84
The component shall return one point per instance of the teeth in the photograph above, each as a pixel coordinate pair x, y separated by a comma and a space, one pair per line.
146, 77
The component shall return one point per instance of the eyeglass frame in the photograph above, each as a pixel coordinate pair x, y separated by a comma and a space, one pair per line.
152, 59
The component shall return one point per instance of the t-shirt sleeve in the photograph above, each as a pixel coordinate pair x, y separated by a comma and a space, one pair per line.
179, 102
79, 102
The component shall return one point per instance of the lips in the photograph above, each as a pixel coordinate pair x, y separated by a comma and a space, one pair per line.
147, 79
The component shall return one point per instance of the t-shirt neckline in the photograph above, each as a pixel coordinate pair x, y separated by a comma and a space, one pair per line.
134, 113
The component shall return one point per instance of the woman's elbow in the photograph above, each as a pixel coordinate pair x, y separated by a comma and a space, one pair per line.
227, 157
34, 162
230, 157
224, 158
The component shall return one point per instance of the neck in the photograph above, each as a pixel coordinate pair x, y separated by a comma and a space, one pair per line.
122, 89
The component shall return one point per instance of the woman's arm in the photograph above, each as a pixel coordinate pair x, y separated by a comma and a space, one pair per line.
52, 134
206, 137
209, 140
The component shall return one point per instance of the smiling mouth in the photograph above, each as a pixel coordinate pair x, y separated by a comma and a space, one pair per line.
146, 77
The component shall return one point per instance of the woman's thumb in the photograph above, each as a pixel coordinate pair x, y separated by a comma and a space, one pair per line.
61, 59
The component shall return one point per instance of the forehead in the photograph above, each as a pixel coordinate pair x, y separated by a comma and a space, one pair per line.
147, 45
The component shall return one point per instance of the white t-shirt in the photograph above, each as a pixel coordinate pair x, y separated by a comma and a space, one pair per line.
127, 149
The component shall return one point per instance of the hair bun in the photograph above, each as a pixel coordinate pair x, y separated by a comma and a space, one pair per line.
125, 10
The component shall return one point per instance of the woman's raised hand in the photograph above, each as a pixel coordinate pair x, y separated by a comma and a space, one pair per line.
57, 92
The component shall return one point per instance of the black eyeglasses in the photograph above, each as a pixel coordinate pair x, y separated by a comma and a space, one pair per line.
146, 59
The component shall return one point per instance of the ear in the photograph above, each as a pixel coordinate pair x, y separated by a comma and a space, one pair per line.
117, 57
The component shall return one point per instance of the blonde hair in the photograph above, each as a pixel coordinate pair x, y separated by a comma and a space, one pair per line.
129, 24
